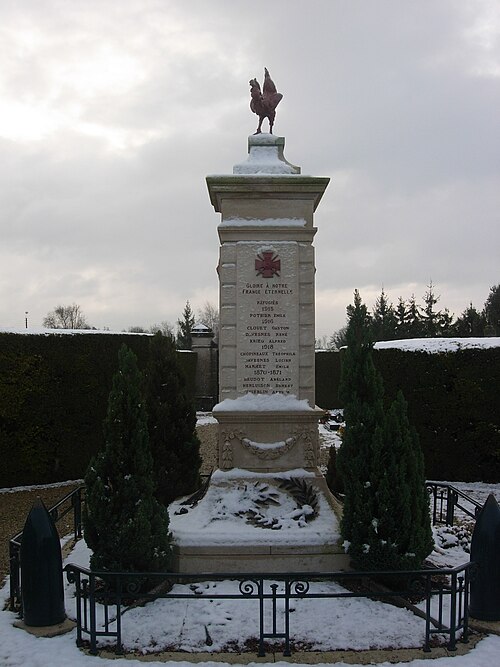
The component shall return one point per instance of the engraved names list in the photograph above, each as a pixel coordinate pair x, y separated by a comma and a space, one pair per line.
267, 326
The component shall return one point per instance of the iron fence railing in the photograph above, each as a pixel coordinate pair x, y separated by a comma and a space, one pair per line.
446, 499
71, 503
102, 597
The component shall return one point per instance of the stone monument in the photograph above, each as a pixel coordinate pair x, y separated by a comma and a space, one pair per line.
267, 508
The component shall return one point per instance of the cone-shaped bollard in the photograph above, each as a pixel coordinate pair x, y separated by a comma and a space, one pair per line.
485, 551
41, 570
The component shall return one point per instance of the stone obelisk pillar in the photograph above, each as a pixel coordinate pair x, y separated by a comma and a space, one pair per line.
267, 414
267, 507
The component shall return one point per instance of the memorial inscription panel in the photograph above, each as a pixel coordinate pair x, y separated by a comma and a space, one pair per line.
267, 330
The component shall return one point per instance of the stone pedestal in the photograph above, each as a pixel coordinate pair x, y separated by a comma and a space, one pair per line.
268, 420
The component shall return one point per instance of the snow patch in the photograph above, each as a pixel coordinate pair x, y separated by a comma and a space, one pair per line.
262, 403
265, 222
438, 345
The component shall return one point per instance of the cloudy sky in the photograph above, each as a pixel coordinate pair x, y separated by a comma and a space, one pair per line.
112, 113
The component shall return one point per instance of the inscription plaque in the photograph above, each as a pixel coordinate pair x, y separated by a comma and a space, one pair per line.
267, 329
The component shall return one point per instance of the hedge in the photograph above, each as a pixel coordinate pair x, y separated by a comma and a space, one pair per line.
453, 401
327, 365
54, 389
53, 397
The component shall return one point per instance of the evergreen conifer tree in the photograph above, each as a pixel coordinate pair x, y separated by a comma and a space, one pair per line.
361, 393
398, 533
492, 311
172, 423
401, 315
332, 477
414, 324
125, 526
383, 319
386, 522
470, 323
185, 326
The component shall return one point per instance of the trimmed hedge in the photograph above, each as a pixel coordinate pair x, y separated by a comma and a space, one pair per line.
453, 402
53, 397
327, 367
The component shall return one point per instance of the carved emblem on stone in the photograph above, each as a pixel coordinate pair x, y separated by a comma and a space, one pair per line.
226, 453
269, 451
267, 264
310, 446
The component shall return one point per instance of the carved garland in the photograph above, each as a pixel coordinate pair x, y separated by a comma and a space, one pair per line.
269, 452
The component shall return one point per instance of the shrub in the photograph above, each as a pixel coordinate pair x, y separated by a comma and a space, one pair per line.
125, 526
172, 423
386, 523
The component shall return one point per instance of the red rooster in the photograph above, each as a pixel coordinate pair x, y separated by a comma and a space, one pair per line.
264, 103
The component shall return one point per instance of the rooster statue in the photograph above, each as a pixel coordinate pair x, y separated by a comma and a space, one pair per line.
264, 103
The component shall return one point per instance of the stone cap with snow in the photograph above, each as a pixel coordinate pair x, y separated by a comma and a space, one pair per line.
265, 156
200, 329
251, 402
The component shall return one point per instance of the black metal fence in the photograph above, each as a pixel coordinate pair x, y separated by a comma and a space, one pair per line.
446, 499
71, 503
107, 595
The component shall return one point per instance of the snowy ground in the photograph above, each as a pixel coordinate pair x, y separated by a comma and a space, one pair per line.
187, 625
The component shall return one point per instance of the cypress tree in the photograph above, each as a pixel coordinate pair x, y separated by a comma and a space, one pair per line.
398, 533
172, 423
386, 523
125, 526
361, 393
384, 319
492, 311
184, 327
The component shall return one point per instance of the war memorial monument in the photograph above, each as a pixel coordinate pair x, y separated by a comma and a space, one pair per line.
267, 507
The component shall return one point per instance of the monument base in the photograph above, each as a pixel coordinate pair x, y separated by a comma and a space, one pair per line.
259, 522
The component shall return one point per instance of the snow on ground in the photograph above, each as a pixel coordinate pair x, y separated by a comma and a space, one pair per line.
42, 331
436, 345
33, 487
329, 433
186, 625
319, 624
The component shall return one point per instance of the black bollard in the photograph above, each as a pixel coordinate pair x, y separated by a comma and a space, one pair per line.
485, 551
41, 570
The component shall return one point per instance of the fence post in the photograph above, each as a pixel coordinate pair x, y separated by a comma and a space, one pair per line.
76, 501
485, 547
14, 565
41, 566
452, 644
451, 500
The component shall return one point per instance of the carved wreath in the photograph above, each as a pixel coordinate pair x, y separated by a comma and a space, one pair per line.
301, 491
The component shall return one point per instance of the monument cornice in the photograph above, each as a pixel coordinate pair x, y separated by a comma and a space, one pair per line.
268, 416
251, 186
230, 234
